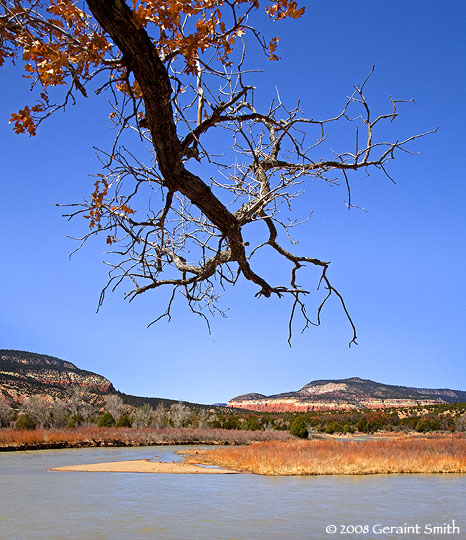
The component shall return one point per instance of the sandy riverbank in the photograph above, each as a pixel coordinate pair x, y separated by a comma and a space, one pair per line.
144, 466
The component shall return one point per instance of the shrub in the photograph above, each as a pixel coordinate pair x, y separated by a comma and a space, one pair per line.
106, 420
410, 422
363, 425
252, 424
332, 427
25, 421
123, 421
348, 428
231, 422
298, 428
73, 421
427, 424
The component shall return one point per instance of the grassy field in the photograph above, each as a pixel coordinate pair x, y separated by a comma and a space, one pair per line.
11, 439
444, 454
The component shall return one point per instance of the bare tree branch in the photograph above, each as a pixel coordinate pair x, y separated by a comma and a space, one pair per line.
183, 225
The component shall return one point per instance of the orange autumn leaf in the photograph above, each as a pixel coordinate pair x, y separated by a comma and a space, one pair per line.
23, 121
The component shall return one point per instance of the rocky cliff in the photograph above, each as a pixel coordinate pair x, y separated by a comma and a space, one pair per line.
24, 374
354, 393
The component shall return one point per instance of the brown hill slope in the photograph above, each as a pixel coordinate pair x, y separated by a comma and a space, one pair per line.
24, 374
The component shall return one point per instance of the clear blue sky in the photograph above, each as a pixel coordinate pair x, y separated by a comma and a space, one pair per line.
401, 265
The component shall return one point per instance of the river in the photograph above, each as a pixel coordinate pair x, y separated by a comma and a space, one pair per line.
37, 504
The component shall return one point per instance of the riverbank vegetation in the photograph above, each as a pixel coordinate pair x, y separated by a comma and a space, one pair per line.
45, 413
422, 419
93, 436
421, 454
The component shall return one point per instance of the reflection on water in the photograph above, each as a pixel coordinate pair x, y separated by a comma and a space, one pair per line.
36, 504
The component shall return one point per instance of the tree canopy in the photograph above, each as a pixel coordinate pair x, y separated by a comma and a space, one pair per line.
174, 209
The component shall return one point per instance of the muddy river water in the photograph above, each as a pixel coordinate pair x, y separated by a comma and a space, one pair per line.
37, 504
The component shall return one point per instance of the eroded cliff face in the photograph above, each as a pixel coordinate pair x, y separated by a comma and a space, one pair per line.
23, 374
347, 394
296, 405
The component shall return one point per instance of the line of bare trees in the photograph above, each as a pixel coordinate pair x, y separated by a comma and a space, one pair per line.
42, 412
77, 409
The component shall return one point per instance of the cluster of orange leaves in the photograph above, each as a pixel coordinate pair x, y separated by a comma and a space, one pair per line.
285, 8
209, 31
61, 44
97, 208
95, 214
23, 120
56, 41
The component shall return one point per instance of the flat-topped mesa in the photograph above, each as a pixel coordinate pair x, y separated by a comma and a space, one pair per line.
288, 405
346, 394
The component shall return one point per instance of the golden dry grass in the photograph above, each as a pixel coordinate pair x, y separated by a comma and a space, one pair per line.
430, 455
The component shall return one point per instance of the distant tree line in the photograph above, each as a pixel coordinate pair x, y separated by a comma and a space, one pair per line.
418, 419
41, 412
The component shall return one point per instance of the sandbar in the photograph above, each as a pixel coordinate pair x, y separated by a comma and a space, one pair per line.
144, 466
